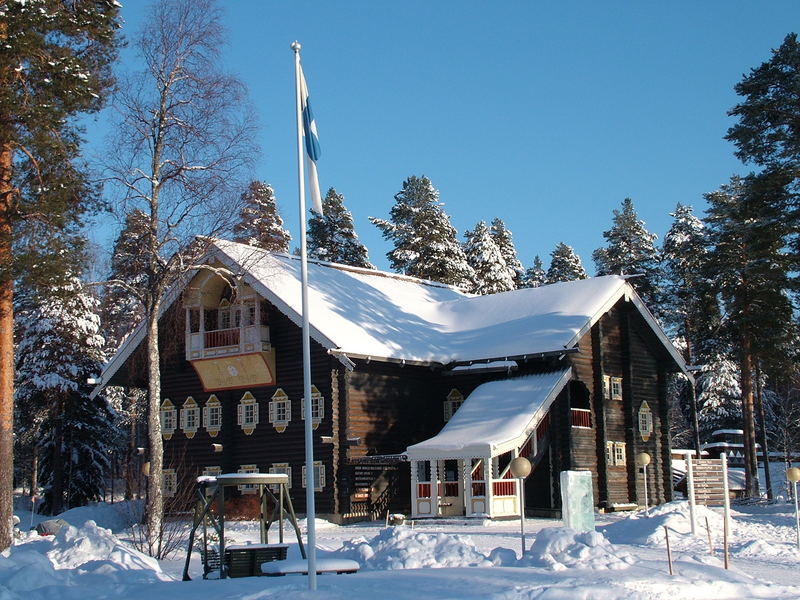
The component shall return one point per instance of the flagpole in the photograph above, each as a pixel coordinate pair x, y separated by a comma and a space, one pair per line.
311, 550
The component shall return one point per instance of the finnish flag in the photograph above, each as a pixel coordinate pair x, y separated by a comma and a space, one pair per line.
312, 146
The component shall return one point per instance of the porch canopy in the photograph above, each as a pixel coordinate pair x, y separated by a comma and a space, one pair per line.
497, 417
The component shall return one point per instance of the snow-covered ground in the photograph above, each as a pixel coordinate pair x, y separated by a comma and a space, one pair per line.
625, 558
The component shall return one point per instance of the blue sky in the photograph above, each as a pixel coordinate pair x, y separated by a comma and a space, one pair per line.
546, 114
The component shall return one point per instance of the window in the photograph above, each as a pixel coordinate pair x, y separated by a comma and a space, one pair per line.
212, 416
212, 471
248, 488
170, 482
606, 386
319, 476
645, 421
190, 417
169, 418
247, 413
281, 468
224, 314
317, 407
615, 454
280, 410
616, 388
452, 403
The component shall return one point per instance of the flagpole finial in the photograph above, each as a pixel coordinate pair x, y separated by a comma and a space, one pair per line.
296, 46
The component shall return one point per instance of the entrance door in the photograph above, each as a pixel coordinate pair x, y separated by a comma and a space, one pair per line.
451, 493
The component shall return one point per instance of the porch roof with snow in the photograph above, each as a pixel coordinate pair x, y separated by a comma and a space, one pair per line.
364, 313
496, 417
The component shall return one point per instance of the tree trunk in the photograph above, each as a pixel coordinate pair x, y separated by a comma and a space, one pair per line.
57, 463
130, 461
748, 421
155, 497
34, 472
6, 349
762, 417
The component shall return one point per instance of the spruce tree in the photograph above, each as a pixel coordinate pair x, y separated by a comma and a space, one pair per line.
259, 224
55, 64
59, 349
535, 275
565, 265
689, 304
425, 243
492, 274
630, 249
504, 240
719, 396
332, 237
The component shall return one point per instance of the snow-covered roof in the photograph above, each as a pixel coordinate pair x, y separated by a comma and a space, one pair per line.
364, 313
367, 313
496, 417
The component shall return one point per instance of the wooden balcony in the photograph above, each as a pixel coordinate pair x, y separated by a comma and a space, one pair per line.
227, 342
581, 417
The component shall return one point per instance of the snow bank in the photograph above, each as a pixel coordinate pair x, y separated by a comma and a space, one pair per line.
559, 548
75, 556
115, 517
403, 548
647, 529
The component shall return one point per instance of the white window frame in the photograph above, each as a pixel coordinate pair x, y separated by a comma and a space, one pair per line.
170, 483
190, 417
620, 457
319, 476
248, 488
616, 388
247, 413
452, 403
213, 406
169, 418
317, 407
280, 410
645, 421
607, 386
281, 469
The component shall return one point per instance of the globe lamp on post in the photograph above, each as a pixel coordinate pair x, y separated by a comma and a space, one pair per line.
793, 475
520, 468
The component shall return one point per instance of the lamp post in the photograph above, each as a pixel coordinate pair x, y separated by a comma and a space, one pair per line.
643, 459
793, 475
521, 468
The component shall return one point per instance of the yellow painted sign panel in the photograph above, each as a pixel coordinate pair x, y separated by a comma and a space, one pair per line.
233, 372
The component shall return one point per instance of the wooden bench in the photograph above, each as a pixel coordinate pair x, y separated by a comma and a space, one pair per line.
245, 560
300, 567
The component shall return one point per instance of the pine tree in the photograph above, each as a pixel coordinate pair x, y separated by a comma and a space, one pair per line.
55, 64
425, 243
259, 223
749, 269
535, 275
504, 240
333, 238
565, 265
492, 274
59, 349
630, 249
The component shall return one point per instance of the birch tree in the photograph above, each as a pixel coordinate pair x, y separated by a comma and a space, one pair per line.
184, 146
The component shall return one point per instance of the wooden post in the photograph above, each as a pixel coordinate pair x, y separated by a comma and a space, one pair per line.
690, 491
710, 545
727, 503
669, 553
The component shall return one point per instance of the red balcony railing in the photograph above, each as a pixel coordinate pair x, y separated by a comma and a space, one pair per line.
580, 417
478, 488
222, 337
423, 490
504, 488
543, 428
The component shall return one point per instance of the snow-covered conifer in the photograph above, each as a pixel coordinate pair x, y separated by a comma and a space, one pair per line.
535, 275
565, 265
259, 223
630, 249
333, 238
425, 243
59, 349
504, 240
719, 396
492, 275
